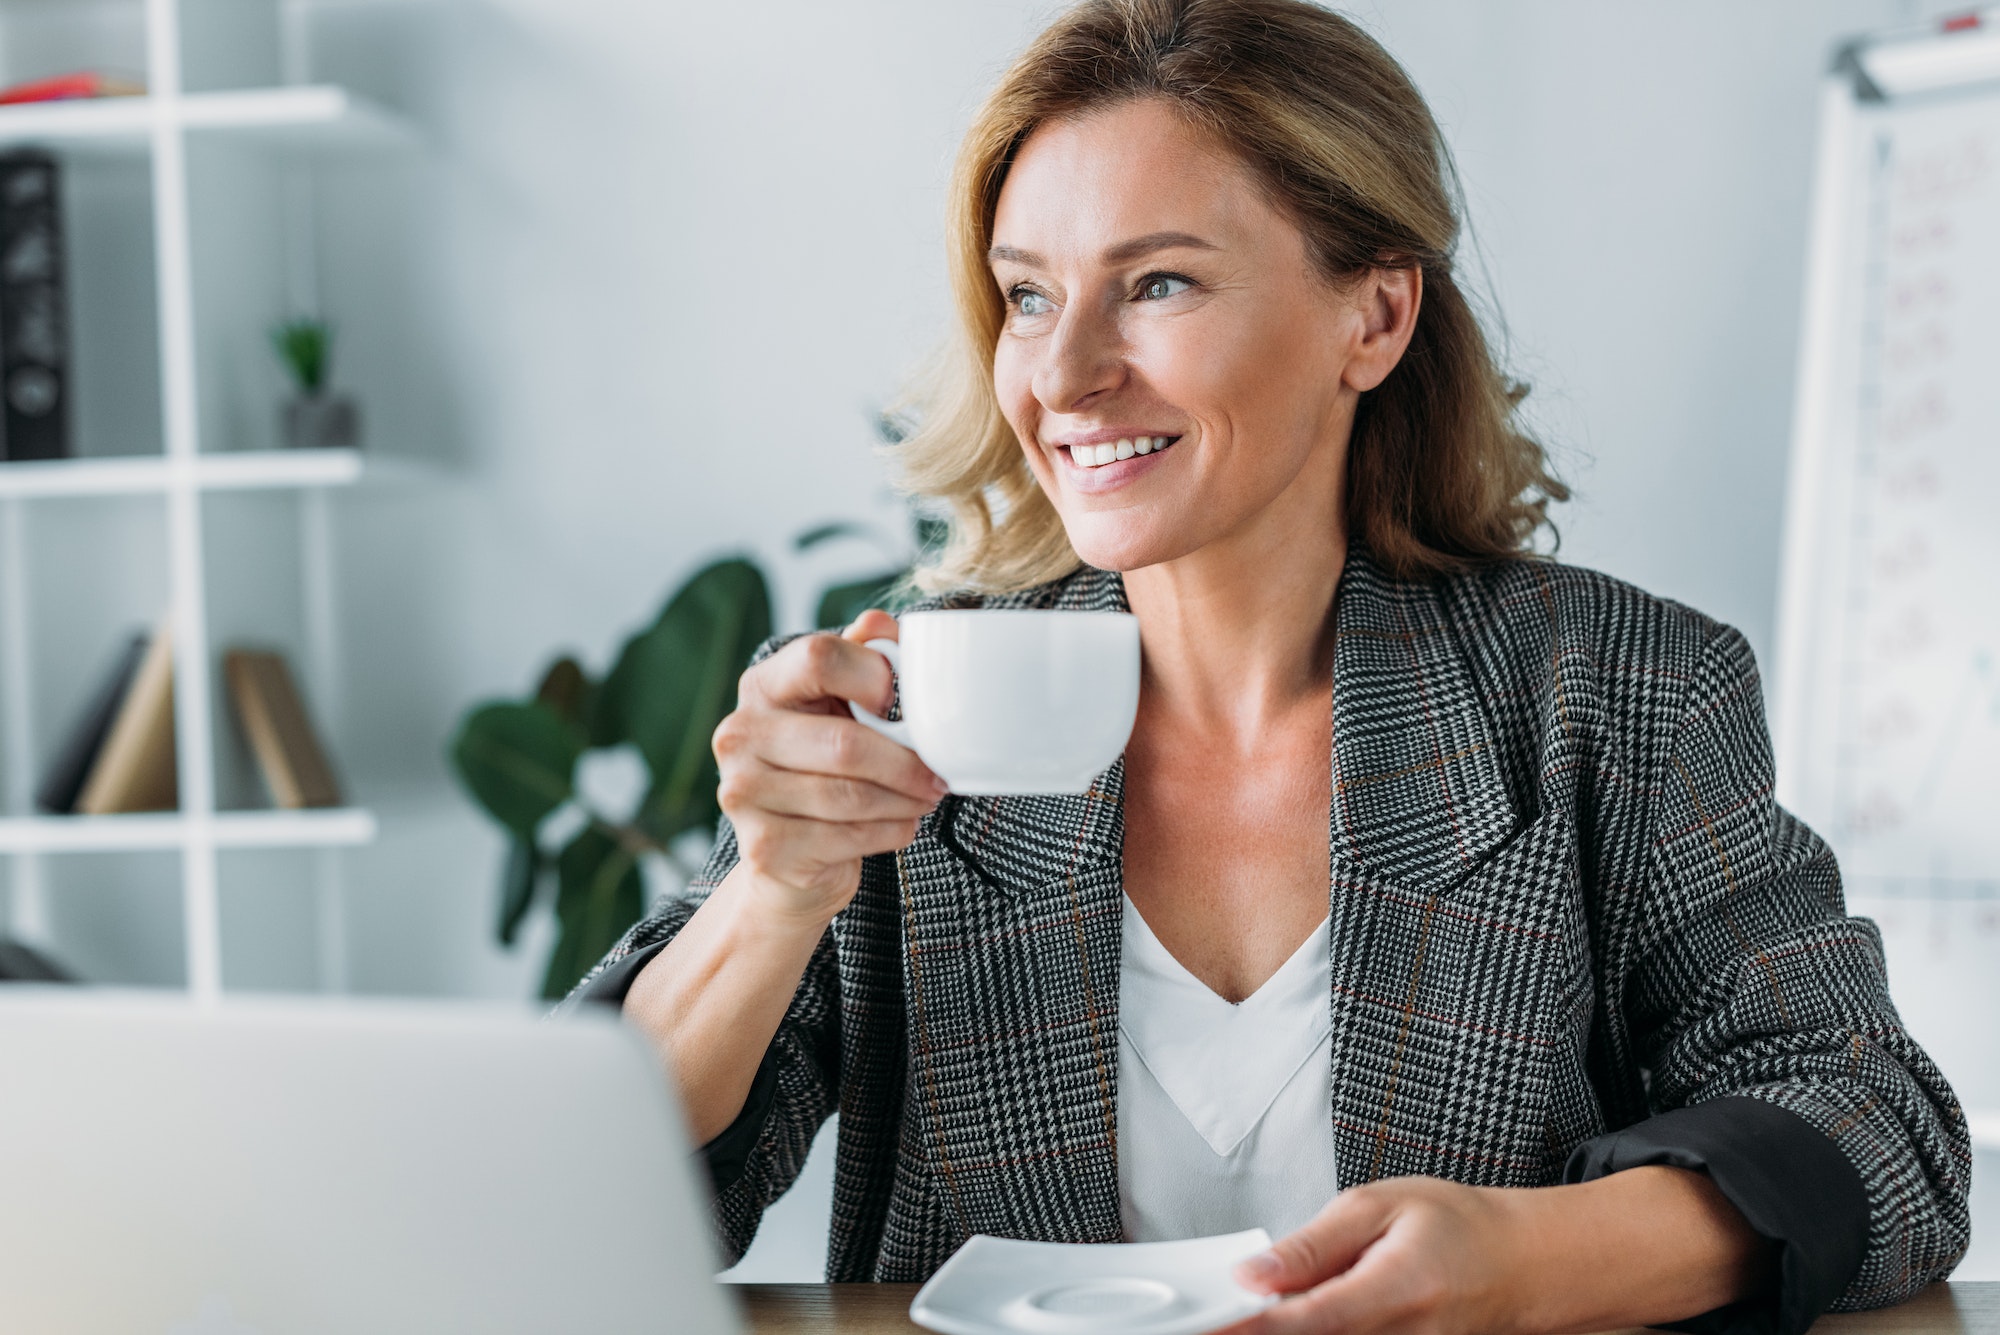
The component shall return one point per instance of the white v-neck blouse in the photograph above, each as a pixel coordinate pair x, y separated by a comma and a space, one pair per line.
1225, 1111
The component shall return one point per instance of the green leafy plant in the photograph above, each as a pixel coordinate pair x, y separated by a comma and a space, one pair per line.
669, 687
305, 346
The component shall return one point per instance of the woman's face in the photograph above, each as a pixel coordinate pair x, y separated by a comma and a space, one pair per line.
1156, 296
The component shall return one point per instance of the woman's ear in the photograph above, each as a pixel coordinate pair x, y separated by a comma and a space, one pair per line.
1388, 300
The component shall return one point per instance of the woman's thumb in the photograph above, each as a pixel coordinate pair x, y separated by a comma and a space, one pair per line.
1327, 1245
874, 624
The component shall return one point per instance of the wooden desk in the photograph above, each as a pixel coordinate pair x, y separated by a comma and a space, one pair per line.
884, 1309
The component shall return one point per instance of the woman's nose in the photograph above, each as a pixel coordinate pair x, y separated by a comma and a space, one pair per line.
1084, 357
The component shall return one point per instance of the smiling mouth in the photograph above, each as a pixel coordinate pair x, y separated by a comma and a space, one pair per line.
1096, 456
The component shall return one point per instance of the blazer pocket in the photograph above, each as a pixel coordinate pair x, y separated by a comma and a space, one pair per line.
1446, 1001
1498, 942
1527, 876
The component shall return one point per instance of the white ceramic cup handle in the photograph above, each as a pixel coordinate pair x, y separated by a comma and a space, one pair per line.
897, 731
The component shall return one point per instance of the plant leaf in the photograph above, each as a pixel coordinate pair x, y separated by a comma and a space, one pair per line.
664, 818
517, 886
674, 682
305, 346
517, 761
823, 533
841, 603
931, 533
600, 893
566, 689
894, 428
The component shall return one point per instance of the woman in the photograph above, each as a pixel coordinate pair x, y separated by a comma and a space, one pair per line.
1538, 921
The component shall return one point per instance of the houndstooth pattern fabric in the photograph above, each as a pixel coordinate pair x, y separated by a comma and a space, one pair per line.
1562, 900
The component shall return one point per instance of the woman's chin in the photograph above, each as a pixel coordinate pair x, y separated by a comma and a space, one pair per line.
1123, 545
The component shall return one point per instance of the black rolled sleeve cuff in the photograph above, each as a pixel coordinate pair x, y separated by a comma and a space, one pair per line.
1788, 1180
609, 988
728, 1155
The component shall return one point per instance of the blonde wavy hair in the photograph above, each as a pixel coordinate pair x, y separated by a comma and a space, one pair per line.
1440, 473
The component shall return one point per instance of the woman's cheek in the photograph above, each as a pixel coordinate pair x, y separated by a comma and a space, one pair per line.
1013, 383
1189, 363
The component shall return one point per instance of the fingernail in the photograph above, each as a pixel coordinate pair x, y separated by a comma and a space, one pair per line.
939, 786
1261, 1270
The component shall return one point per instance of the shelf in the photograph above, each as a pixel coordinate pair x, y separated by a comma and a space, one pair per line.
118, 124
202, 216
1985, 1129
244, 470
334, 827
315, 118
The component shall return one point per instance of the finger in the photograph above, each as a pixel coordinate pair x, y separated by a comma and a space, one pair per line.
1361, 1301
828, 798
1326, 1245
874, 624
815, 668
843, 749
799, 843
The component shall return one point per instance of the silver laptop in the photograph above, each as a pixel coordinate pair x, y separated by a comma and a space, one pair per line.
347, 1168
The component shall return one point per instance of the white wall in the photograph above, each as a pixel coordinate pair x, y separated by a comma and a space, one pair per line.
665, 257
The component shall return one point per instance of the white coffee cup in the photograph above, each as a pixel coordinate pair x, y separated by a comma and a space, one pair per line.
1013, 701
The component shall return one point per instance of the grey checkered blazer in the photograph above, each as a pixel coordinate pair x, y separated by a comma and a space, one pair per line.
1563, 902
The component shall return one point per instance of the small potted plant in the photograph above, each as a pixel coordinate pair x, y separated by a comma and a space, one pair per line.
313, 417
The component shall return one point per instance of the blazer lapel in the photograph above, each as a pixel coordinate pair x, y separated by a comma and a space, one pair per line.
1421, 801
1420, 791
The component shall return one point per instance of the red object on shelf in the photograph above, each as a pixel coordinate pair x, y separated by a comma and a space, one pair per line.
1965, 22
66, 87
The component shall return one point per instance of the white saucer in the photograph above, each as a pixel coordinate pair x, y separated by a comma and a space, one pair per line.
1000, 1286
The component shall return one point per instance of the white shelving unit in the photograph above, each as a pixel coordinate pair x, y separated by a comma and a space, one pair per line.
316, 118
287, 127
241, 470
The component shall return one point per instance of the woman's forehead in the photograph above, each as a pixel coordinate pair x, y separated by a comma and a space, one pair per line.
1081, 185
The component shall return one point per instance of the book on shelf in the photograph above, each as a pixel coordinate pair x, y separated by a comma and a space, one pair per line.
135, 767
281, 736
69, 87
22, 963
34, 321
62, 783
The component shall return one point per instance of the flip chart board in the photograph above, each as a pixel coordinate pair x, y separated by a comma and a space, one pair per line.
1887, 701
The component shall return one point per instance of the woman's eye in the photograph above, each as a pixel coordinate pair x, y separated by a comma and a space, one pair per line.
1160, 286
1030, 302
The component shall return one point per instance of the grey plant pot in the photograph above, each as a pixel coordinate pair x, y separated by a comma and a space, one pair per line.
322, 422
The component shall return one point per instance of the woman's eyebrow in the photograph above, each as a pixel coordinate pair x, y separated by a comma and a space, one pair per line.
1122, 253
1027, 259
1126, 251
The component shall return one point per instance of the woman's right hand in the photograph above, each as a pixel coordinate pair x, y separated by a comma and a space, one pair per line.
810, 791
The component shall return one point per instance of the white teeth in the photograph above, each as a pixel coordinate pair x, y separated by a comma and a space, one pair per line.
1096, 456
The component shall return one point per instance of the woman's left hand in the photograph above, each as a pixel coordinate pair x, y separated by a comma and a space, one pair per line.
1410, 1254
1417, 1256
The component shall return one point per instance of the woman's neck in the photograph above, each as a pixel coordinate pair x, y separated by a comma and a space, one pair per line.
1240, 632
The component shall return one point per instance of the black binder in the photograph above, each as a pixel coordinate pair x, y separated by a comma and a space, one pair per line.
34, 318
